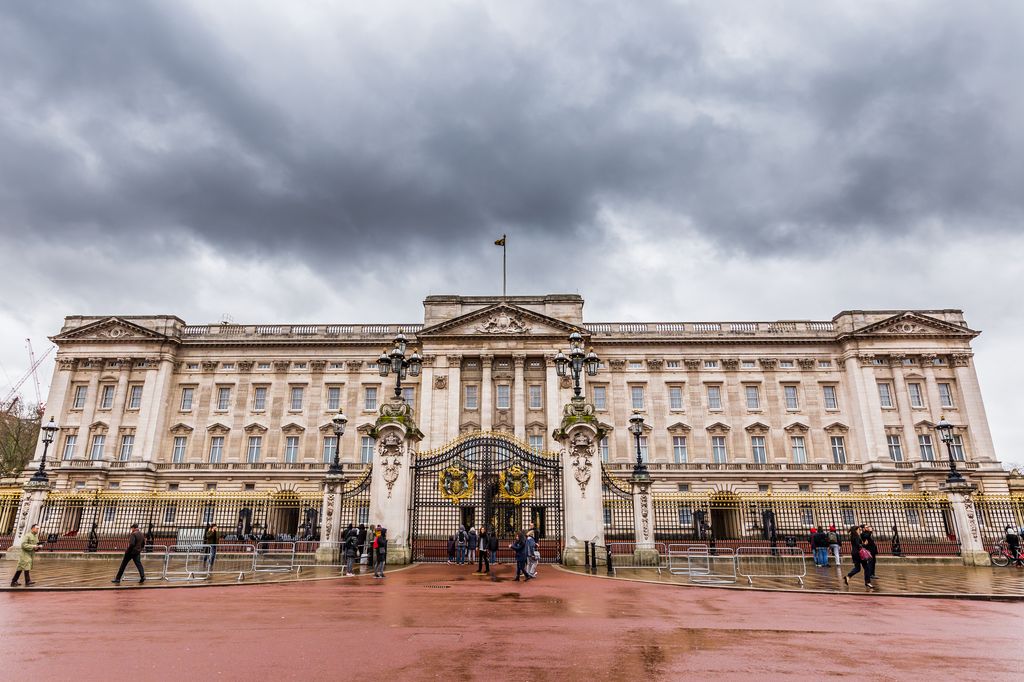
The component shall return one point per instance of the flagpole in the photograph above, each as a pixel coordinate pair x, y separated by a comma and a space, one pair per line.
504, 268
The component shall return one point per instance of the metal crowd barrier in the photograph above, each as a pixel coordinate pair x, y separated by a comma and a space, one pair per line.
625, 555
780, 562
274, 557
306, 554
678, 557
707, 566
154, 563
180, 563
232, 559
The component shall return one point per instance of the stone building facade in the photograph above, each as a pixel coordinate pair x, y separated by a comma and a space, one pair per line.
845, 405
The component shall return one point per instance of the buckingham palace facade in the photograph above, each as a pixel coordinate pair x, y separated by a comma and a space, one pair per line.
152, 403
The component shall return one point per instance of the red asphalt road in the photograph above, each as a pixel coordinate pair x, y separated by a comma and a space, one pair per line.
561, 626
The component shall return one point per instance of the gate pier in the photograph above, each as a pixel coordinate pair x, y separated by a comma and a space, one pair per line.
391, 486
579, 435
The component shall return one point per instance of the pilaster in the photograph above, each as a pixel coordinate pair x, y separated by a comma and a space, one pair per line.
330, 523
33, 499
391, 477
519, 397
579, 436
486, 393
972, 546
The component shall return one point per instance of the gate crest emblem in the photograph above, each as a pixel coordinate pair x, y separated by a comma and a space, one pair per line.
516, 483
456, 483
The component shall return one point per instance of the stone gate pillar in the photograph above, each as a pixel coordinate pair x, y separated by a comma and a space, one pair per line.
391, 477
330, 519
579, 435
965, 516
33, 498
643, 517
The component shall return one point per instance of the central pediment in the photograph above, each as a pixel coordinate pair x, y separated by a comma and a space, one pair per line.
501, 319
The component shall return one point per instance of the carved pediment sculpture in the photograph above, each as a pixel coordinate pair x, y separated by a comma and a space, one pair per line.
390, 451
581, 453
503, 323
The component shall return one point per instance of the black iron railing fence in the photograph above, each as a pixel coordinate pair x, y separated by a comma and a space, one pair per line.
995, 513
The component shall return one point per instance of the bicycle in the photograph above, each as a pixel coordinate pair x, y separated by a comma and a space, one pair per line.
1001, 555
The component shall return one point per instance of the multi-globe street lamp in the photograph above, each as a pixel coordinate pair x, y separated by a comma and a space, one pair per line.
636, 427
576, 362
338, 423
945, 430
395, 361
49, 430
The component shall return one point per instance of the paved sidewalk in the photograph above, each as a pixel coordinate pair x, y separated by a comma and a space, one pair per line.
441, 622
891, 579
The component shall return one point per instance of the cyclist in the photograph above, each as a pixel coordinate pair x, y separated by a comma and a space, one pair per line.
1013, 544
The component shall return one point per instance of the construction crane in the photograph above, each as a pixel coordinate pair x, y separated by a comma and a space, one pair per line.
35, 374
11, 399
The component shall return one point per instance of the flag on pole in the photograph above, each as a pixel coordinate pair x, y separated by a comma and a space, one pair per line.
500, 242
504, 268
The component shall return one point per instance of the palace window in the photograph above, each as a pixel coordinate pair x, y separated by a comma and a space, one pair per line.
844, 488
885, 395
636, 394
263, 365
714, 397
603, 449
636, 364
135, 397
829, 394
370, 398
291, 449
792, 401
946, 395
259, 398
679, 454
753, 397
895, 448
472, 397
924, 442
366, 445
69, 446
296, 398
838, 449
957, 446
409, 395
81, 392
785, 364
685, 517
227, 366
675, 397
748, 364
223, 398
711, 364
216, 449
536, 444
644, 455
96, 451
719, 455
672, 364
178, 456
758, 449
916, 397
535, 397
107, 398
824, 364
799, 446
333, 398
683, 488
255, 445
187, 395
127, 444
503, 394
330, 447
600, 398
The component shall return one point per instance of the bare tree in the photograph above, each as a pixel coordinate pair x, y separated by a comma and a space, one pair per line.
19, 433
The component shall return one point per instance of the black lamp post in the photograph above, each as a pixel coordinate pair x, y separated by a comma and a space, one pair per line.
339, 422
576, 362
636, 427
945, 430
48, 430
395, 361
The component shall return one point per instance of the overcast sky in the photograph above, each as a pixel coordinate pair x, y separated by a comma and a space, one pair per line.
294, 162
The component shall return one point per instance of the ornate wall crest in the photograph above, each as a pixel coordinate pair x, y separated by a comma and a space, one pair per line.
440, 383
391, 459
581, 451
515, 483
455, 483
503, 323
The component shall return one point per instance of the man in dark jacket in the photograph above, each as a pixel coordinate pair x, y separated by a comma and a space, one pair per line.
211, 538
520, 548
136, 541
362, 547
482, 558
819, 541
492, 546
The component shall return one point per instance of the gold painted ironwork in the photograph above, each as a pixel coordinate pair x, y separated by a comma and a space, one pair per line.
499, 435
515, 483
456, 483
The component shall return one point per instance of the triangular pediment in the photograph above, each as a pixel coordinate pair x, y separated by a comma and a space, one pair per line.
110, 329
913, 324
181, 429
718, 426
796, 427
217, 429
501, 319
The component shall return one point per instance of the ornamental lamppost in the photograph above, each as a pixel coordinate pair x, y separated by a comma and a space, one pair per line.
636, 427
395, 361
339, 422
945, 430
576, 362
48, 430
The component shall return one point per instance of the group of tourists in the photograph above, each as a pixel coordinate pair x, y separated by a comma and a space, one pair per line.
824, 543
481, 545
371, 541
864, 552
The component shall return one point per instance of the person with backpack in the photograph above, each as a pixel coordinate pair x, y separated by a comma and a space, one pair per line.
380, 551
492, 547
532, 555
349, 548
519, 548
833, 544
461, 543
473, 539
451, 549
819, 541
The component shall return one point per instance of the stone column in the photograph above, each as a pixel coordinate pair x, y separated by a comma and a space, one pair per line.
454, 395
330, 519
31, 510
643, 519
972, 546
903, 405
579, 436
973, 407
519, 397
391, 479
486, 393
427, 398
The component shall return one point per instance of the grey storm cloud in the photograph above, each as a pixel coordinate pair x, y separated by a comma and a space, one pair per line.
129, 119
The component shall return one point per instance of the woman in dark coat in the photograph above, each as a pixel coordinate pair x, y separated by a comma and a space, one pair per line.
492, 547
519, 547
858, 564
867, 541
380, 552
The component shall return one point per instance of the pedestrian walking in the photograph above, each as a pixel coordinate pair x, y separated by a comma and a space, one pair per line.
519, 548
211, 538
29, 544
349, 548
532, 555
461, 544
1013, 544
380, 551
471, 544
867, 541
833, 544
858, 561
483, 564
819, 541
136, 541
